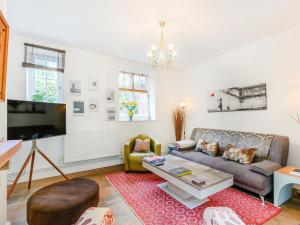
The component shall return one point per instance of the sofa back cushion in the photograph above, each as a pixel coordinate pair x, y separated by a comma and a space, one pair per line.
208, 148
272, 147
241, 155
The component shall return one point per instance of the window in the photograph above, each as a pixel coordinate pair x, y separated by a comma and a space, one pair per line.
43, 85
134, 88
44, 68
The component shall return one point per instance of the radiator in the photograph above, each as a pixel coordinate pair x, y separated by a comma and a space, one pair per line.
87, 145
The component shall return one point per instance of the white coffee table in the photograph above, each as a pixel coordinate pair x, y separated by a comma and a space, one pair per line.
182, 188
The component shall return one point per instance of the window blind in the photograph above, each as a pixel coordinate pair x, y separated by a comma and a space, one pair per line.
41, 57
133, 82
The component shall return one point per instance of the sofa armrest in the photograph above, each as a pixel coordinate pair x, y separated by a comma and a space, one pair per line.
156, 146
128, 147
265, 167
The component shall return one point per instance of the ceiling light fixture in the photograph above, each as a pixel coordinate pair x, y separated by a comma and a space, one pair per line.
162, 61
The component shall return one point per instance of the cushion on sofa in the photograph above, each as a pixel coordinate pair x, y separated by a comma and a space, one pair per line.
265, 167
239, 139
241, 155
208, 148
185, 145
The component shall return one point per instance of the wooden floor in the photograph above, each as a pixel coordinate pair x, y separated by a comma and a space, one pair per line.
109, 197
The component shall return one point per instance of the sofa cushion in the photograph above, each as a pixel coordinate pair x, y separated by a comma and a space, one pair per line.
241, 155
185, 145
242, 173
265, 167
208, 148
239, 139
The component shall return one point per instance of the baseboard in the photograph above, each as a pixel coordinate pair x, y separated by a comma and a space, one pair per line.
67, 169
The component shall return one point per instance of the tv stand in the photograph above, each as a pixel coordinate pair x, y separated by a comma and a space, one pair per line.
31, 157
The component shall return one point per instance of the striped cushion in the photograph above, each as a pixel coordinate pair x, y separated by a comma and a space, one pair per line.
142, 145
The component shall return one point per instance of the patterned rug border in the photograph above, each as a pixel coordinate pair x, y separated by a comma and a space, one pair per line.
135, 213
264, 221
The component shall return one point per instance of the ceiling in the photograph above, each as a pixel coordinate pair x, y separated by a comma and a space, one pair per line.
199, 29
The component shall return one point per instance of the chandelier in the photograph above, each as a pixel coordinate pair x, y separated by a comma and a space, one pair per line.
162, 60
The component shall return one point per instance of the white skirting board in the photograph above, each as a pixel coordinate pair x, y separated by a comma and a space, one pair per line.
87, 145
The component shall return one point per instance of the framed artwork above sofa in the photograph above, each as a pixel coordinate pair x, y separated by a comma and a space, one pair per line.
238, 99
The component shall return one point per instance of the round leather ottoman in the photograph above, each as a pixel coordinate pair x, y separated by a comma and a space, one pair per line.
62, 203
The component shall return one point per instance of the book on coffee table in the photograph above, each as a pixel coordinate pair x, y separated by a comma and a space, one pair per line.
180, 171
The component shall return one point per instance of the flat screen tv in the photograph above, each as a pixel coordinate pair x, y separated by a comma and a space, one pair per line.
28, 120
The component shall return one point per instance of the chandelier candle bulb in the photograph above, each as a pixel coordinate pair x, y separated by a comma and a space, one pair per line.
166, 57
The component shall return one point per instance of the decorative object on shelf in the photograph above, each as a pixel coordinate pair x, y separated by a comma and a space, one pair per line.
78, 107
94, 84
131, 107
111, 113
94, 104
110, 95
4, 31
75, 87
162, 60
178, 116
238, 99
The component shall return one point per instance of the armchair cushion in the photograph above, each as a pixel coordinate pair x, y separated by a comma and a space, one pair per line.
265, 167
142, 145
140, 155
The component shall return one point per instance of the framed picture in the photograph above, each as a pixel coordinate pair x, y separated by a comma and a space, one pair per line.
111, 113
94, 84
238, 99
78, 107
94, 103
110, 96
75, 87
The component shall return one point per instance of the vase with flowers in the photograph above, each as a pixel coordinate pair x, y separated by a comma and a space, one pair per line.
131, 107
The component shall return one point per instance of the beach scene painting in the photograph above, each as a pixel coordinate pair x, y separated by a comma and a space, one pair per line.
238, 99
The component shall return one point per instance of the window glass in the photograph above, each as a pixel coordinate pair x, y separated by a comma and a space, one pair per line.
133, 89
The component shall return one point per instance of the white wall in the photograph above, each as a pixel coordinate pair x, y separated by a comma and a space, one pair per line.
80, 65
274, 60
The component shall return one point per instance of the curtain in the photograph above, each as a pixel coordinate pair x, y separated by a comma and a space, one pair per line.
40, 57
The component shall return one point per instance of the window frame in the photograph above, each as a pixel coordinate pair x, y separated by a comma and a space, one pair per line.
133, 90
30, 84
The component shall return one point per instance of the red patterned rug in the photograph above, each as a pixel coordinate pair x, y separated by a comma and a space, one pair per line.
154, 207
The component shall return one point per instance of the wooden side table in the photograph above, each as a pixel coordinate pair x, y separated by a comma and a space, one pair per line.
283, 184
7, 150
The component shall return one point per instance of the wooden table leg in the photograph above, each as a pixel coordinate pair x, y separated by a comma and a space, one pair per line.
31, 170
19, 174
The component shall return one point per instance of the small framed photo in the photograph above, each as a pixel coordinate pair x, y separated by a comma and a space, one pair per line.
75, 87
111, 113
94, 103
94, 83
78, 107
110, 96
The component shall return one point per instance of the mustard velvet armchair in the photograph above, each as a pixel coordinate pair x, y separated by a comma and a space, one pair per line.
133, 160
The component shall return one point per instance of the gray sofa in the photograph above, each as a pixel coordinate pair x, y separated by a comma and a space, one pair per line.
272, 154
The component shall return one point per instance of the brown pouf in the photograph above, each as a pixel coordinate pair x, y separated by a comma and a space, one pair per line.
62, 203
